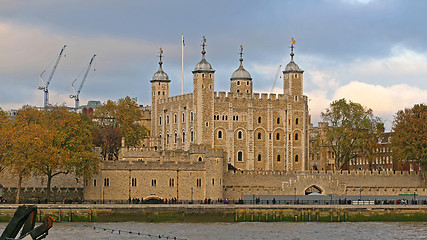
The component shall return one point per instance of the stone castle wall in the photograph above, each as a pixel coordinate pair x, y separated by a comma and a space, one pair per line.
239, 183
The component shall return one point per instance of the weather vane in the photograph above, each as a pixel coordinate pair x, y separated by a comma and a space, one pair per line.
292, 42
160, 55
241, 53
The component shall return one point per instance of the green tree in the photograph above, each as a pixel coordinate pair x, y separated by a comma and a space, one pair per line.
23, 144
4, 135
352, 131
409, 139
66, 146
125, 115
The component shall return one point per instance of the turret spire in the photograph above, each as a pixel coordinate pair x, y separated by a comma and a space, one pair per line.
292, 42
241, 55
160, 57
203, 46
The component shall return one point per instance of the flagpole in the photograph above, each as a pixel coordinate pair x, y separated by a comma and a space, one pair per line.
182, 66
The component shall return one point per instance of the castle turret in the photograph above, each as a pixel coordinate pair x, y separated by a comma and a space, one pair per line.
241, 80
203, 99
159, 90
297, 115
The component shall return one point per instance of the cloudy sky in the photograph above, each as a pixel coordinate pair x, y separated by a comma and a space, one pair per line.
370, 51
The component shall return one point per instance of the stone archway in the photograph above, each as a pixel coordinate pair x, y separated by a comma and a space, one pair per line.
313, 190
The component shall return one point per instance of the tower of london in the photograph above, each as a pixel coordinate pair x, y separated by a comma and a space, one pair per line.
257, 131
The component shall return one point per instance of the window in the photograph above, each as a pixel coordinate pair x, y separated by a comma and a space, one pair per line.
296, 158
238, 90
153, 182
174, 119
296, 98
192, 136
239, 135
106, 182
167, 139
163, 93
247, 83
240, 156
207, 124
191, 116
259, 135
183, 117
176, 137
278, 158
183, 137
160, 121
296, 136
171, 182
289, 136
220, 134
158, 93
238, 83
200, 159
278, 120
278, 136
296, 121
259, 157
94, 182
167, 119
133, 182
198, 182
213, 181
259, 119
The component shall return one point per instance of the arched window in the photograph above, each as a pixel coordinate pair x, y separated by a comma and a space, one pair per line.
183, 137
239, 135
238, 82
259, 157
296, 121
238, 90
259, 135
219, 134
191, 116
296, 158
167, 139
174, 119
167, 119
176, 137
296, 136
200, 159
278, 136
259, 119
163, 93
158, 93
278, 158
183, 117
160, 121
192, 136
278, 120
240, 156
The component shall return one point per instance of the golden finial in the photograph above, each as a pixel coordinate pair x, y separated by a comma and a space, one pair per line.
292, 42
204, 39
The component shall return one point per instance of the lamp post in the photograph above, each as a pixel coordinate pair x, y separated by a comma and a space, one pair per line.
191, 194
102, 194
360, 195
295, 195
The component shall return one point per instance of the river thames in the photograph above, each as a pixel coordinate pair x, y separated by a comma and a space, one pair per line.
244, 230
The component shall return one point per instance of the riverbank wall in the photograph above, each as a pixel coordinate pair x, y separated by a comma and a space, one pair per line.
223, 213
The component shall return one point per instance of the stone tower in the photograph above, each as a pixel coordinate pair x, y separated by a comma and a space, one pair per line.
241, 80
159, 90
203, 100
297, 117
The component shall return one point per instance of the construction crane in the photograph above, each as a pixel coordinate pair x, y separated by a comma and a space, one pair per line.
275, 78
77, 93
45, 85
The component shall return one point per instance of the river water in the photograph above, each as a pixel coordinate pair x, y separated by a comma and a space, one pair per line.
244, 230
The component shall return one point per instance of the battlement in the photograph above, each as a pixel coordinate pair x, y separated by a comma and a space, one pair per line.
330, 173
153, 165
225, 96
177, 98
